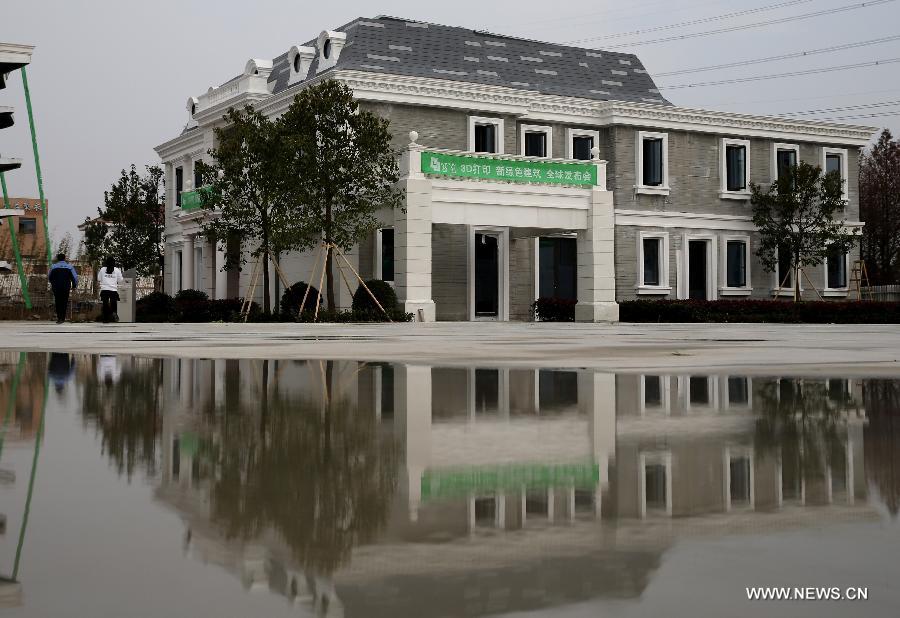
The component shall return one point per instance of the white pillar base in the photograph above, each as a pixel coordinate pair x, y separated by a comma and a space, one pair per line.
427, 308
597, 312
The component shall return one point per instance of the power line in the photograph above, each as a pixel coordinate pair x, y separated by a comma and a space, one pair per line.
702, 20
845, 108
759, 24
895, 112
755, 78
844, 95
800, 54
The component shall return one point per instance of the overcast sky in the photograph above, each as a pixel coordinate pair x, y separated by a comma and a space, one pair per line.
109, 78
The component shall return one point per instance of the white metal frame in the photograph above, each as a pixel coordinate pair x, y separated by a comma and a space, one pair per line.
774, 156
503, 276
665, 394
484, 120
664, 288
724, 193
536, 128
740, 452
712, 264
747, 288
712, 387
726, 393
778, 277
653, 458
640, 187
841, 291
379, 248
572, 133
842, 153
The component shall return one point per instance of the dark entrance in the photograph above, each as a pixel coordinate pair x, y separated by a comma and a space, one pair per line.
697, 257
487, 276
558, 268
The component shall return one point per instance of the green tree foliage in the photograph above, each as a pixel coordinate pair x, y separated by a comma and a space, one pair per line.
801, 213
132, 223
247, 184
879, 207
342, 168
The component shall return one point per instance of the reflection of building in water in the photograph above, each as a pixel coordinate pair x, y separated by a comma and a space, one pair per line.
552, 487
23, 376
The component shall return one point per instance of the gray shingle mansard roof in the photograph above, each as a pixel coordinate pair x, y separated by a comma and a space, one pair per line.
401, 47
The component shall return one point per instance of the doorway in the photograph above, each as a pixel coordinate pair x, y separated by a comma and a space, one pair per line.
487, 275
698, 263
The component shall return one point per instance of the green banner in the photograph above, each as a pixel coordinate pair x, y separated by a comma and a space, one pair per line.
190, 200
509, 170
512, 477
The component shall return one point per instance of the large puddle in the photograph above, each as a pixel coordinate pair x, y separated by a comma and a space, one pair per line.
165, 487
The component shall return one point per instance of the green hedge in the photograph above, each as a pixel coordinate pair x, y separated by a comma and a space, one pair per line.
778, 311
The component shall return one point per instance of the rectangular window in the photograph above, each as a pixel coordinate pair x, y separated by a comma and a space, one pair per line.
784, 273
833, 163
27, 225
739, 480
652, 255
485, 138
387, 254
735, 167
655, 486
698, 390
198, 181
652, 164
785, 160
535, 144
581, 147
485, 511
837, 269
179, 185
736, 263
738, 391
653, 392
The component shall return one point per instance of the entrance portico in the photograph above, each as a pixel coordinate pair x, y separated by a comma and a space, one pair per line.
466, 235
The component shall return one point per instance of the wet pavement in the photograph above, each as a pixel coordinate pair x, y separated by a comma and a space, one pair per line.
141, 486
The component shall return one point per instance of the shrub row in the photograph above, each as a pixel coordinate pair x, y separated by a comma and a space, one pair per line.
778, 311
195, 306
553, 309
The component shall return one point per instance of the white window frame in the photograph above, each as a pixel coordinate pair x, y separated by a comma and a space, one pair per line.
480, 120
378, 251
738, 453
572, 133
663, 288
640, 187
712, 265
665, 394
655, 458
536, 128
712, 387
842, 152
724, 193
774, 157
724, 290
777, 290
725, 389
503, 281
843, 291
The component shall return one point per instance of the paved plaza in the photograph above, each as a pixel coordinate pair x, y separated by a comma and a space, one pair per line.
760, 348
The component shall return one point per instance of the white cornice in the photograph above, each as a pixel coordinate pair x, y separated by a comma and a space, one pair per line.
693, 220
182, 144
15, 53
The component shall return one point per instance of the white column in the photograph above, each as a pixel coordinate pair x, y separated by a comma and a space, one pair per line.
597, 402
596, 263
412, 239
187, 263
412, 401
221, 275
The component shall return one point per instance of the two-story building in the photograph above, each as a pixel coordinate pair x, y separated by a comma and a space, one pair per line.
531, 169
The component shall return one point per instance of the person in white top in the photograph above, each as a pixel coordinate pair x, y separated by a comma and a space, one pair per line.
109, 278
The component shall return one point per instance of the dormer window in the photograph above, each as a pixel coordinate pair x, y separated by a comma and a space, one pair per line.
300, 59
329, 44
297, 63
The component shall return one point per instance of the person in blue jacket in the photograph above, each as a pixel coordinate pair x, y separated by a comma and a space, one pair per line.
62, 278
